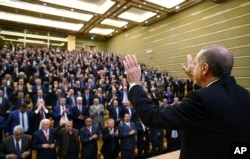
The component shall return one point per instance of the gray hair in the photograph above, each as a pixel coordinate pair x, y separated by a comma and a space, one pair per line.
18, 128
219, 59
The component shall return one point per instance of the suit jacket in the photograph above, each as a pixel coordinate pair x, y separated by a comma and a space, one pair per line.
97, 119
89, 147
5, 105
113, 114
39, 138
14, 120
78, 124
64, 145
210, 118
8, 146
88, 101
57, 114
127, 141
36, 119
110, 142
133, 116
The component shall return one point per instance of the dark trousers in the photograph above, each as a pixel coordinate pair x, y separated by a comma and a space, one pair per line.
127, 154
71, 156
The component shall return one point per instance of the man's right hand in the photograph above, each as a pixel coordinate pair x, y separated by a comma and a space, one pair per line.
189, 69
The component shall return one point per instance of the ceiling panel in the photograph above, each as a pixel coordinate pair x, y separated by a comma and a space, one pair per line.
86, 17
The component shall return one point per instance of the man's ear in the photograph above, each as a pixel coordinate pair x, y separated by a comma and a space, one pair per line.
205, 68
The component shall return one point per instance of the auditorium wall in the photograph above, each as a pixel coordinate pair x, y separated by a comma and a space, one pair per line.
171, 39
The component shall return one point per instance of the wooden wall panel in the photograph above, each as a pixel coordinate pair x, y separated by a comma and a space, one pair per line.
187, 32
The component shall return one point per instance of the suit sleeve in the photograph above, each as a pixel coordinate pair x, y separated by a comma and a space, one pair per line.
190, 114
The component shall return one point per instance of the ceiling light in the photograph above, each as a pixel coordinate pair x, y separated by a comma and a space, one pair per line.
45, 37
167, 4
101, 31
115, 23
136, 14
101, 7
40, 21
45, 10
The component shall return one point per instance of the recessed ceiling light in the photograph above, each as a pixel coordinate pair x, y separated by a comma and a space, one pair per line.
167, 4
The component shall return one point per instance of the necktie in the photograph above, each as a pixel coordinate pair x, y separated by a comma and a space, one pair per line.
117, 112
90, 130
80, 108
23, 124
18, 150
73, 101
41, 115
47, 135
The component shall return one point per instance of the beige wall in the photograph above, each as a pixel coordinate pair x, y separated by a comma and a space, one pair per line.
71, 42
185, 33
81, 42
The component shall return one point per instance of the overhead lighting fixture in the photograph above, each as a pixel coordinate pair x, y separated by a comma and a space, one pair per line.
18, 34
91, 6
101, 31
40, 21
46, 10
115, 23
166, 3
136, 15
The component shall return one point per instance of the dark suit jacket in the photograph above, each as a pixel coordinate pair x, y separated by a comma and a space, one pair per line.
110, 143
57, 114
39, 138
89, 148
127, 141
113, 114
64, 145
14, 120
133, 117
36, 119
78, 124
5, 106
210, 118
8, 146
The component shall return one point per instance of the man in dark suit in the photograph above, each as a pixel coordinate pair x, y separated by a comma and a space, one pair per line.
5, 106
143, 140
156, 138
128, 109
211, 118
20, 116
79, 113
69, 147
17, 146
45, 141
37, 115
88, 97
115, 112
110, 147
127, 132
61, 111
89, 136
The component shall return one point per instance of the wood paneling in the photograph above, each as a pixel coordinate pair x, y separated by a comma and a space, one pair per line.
185, 33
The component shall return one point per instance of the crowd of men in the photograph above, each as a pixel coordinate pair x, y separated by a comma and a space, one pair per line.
76, 90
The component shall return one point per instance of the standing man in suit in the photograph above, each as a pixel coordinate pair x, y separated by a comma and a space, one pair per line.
143, 139
156, 138
127, 132
17, 146
69, 147
79, 113
45, 141
128, 109
97, 112
110, 147
20, 116
89, 136
61, 111
210, 117
5, 106
115, 112
37, 115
